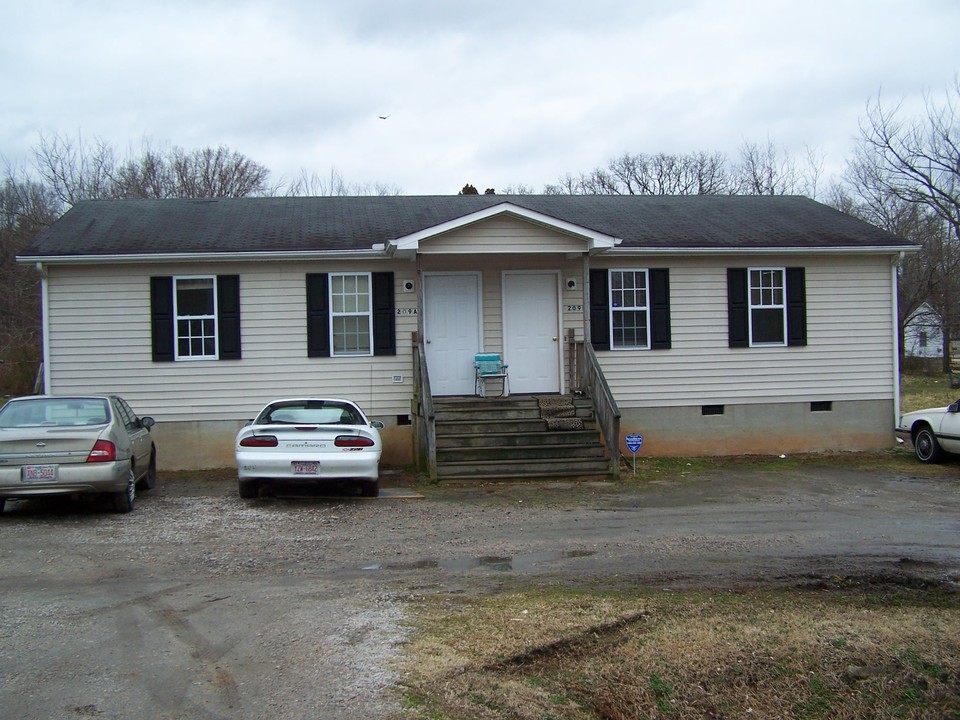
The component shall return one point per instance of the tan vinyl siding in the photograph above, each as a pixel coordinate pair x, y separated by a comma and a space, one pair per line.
503, 234
849, 352
99, 338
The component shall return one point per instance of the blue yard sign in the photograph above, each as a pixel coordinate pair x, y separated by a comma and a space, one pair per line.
634, 442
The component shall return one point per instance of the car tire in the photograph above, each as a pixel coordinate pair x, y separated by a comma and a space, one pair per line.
370, 489
249, 489
123, 501
149, 481
925, 445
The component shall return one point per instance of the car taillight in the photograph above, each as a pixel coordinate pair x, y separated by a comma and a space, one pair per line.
259, 441
353, 441
103, 451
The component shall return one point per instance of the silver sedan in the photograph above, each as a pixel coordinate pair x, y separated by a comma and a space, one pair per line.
77, 445
309, 441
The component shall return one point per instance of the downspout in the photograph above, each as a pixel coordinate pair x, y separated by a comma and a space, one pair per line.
895, 323
44, 326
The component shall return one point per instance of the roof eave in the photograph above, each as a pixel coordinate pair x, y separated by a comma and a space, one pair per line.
256, 256
767, 250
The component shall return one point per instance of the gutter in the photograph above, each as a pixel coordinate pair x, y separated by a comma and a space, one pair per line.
373, 254
826, 250
44, 326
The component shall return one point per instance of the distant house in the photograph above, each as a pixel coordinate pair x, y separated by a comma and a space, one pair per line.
719, 324
923, 333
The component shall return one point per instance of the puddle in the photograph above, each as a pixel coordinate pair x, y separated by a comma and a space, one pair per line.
513, 563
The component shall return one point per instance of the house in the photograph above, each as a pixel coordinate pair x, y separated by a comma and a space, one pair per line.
923, 333
712, 324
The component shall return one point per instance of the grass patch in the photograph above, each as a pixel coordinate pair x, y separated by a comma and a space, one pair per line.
855, 650
924, 391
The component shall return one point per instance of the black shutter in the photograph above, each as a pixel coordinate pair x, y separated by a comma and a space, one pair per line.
737, 308
318, 319
660, 309
599, 310
384, 323
228, 316
796, 307
161, 318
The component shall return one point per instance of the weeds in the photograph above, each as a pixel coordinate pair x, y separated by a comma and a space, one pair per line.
843, 652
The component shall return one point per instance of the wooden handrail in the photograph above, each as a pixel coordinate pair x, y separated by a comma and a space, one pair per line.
424, 417
587, 376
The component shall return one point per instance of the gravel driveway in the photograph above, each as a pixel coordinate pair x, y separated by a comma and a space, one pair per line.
201, 605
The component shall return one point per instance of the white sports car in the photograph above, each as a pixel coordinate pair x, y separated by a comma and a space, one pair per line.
933, 432
309, 440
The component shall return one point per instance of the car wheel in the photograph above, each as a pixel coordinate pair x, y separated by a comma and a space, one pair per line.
123, 500
926, 446
249, 489
149, 481
370, 489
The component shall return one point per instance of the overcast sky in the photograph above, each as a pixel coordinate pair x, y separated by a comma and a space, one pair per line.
481, 91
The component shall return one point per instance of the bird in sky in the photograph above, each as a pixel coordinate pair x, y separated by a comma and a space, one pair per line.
383, 117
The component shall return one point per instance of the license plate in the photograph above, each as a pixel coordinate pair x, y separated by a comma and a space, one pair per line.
39, 473
306, 468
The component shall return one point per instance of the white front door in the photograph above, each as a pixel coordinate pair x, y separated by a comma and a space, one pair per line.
451, 328
531, 331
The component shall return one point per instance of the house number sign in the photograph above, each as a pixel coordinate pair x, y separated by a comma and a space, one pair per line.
406, 311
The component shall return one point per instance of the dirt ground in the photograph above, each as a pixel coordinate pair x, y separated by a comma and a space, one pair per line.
203, 605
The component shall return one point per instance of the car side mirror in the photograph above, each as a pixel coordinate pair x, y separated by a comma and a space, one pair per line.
147, 422
376, 424
954, 408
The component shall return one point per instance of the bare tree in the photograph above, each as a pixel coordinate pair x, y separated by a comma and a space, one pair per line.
310, 184
767, 170
76, 170
219, 172
26, 207
916, 161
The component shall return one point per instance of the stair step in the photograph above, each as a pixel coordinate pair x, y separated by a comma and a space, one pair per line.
506, 438
514, 439
520, 452
567, 467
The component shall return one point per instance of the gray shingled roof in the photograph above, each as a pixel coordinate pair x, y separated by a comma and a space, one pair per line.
135, 227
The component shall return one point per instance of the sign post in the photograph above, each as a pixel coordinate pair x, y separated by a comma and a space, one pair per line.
634, 443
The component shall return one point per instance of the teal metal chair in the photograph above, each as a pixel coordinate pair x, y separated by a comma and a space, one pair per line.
490, 366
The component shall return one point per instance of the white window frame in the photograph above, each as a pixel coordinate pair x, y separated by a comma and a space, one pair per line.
368, 313
614, 308
177, 317
771, 305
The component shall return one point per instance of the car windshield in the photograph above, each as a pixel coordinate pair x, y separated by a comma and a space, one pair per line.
313, 413
54, 412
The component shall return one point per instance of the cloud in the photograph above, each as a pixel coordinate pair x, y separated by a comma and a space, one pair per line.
495, 93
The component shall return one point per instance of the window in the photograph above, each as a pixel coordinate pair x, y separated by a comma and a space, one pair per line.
768, 318
630, 309
351, 320
766, 307
195, 317
350, 314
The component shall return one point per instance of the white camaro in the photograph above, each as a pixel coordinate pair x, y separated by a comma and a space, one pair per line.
933, 432
309, 440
